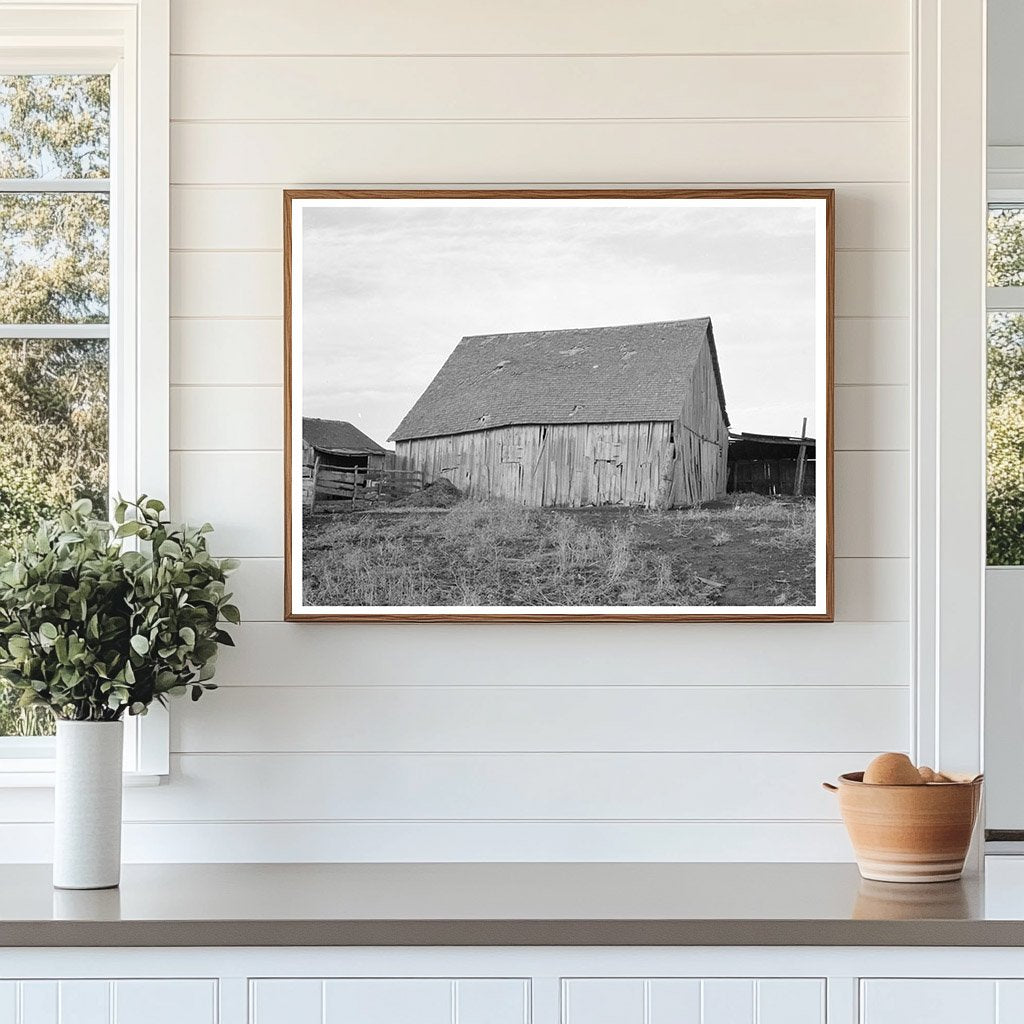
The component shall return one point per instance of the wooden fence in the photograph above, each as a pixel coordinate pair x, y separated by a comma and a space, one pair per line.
341, 490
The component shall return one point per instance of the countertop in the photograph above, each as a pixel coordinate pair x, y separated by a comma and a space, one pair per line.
510, 904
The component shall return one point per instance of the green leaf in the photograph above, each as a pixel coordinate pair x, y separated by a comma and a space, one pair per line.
140, 644
48, 631
231, 613
18, 646
170, 549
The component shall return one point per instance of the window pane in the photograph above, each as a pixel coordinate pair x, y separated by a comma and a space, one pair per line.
53, 449
54, 126
54, 257
1006, 439
1005, 246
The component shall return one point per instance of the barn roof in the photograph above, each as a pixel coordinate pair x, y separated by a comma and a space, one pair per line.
630, 373
338, 436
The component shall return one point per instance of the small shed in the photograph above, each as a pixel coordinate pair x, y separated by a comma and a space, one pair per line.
772, 464
624, 415
339, 445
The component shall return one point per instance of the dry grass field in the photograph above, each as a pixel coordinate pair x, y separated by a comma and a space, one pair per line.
745, 550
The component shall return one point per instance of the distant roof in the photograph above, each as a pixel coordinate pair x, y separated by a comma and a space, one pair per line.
796, 442
769, 446
338, 436
631, 373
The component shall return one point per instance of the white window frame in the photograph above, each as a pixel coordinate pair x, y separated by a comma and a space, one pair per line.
1005, 584
130, 41
949, 442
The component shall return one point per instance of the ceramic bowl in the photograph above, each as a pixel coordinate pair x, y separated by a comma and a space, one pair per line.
909, 833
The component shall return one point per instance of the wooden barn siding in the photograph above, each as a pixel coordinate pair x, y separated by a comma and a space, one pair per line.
543, 465
702, 440
555, 464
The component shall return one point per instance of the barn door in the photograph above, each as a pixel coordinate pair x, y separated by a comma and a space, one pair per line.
608, 489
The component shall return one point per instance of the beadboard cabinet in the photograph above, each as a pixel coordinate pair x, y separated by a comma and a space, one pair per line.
106, 1001
942, 1001
512, 985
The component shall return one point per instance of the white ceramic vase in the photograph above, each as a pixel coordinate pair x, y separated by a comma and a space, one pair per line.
87, 807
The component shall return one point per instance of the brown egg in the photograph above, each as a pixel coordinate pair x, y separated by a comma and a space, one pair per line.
893, 770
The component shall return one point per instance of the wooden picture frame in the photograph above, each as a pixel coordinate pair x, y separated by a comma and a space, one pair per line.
369, 473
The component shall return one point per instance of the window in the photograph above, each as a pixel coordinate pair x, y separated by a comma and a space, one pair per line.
54, 309
84, 125
1005, 476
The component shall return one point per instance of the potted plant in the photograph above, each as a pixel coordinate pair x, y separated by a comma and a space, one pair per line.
99, 620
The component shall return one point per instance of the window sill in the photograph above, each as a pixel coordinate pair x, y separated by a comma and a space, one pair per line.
38, 773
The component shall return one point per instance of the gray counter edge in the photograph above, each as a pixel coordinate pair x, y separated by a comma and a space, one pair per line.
510, 933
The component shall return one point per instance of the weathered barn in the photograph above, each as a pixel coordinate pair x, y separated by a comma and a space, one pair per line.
339, 445
630, 415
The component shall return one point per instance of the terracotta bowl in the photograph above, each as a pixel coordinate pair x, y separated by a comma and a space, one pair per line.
909, 833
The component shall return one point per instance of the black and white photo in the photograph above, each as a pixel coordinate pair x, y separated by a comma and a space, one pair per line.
566, 405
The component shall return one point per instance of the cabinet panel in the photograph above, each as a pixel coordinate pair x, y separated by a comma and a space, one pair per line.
693, 1001
388, 1001
727, 1001
674, 1000
286, 1001
39, 1002
101, 1001
492, 1001
929, 1001
603, 1001
8, 1002
165, 1002
790, 1001
84, 1002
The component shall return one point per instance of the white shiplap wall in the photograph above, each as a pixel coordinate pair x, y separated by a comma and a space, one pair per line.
689, 741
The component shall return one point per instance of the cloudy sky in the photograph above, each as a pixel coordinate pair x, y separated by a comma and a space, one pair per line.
388, 291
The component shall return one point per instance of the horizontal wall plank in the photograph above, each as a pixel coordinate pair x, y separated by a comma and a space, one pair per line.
234, 418
241, 493
243, 787
625, 653
872, 418
233, 284
872, 350
872, 589
868, 216
462, 842
872, 499
536, 26
867, 589
629, 718
258, 586
227, 352
566, 151
873, 283
536, 87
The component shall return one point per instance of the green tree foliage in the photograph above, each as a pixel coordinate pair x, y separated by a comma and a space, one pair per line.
53, 270
1005, 480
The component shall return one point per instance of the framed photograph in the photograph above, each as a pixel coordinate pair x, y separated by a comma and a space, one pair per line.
558, 405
